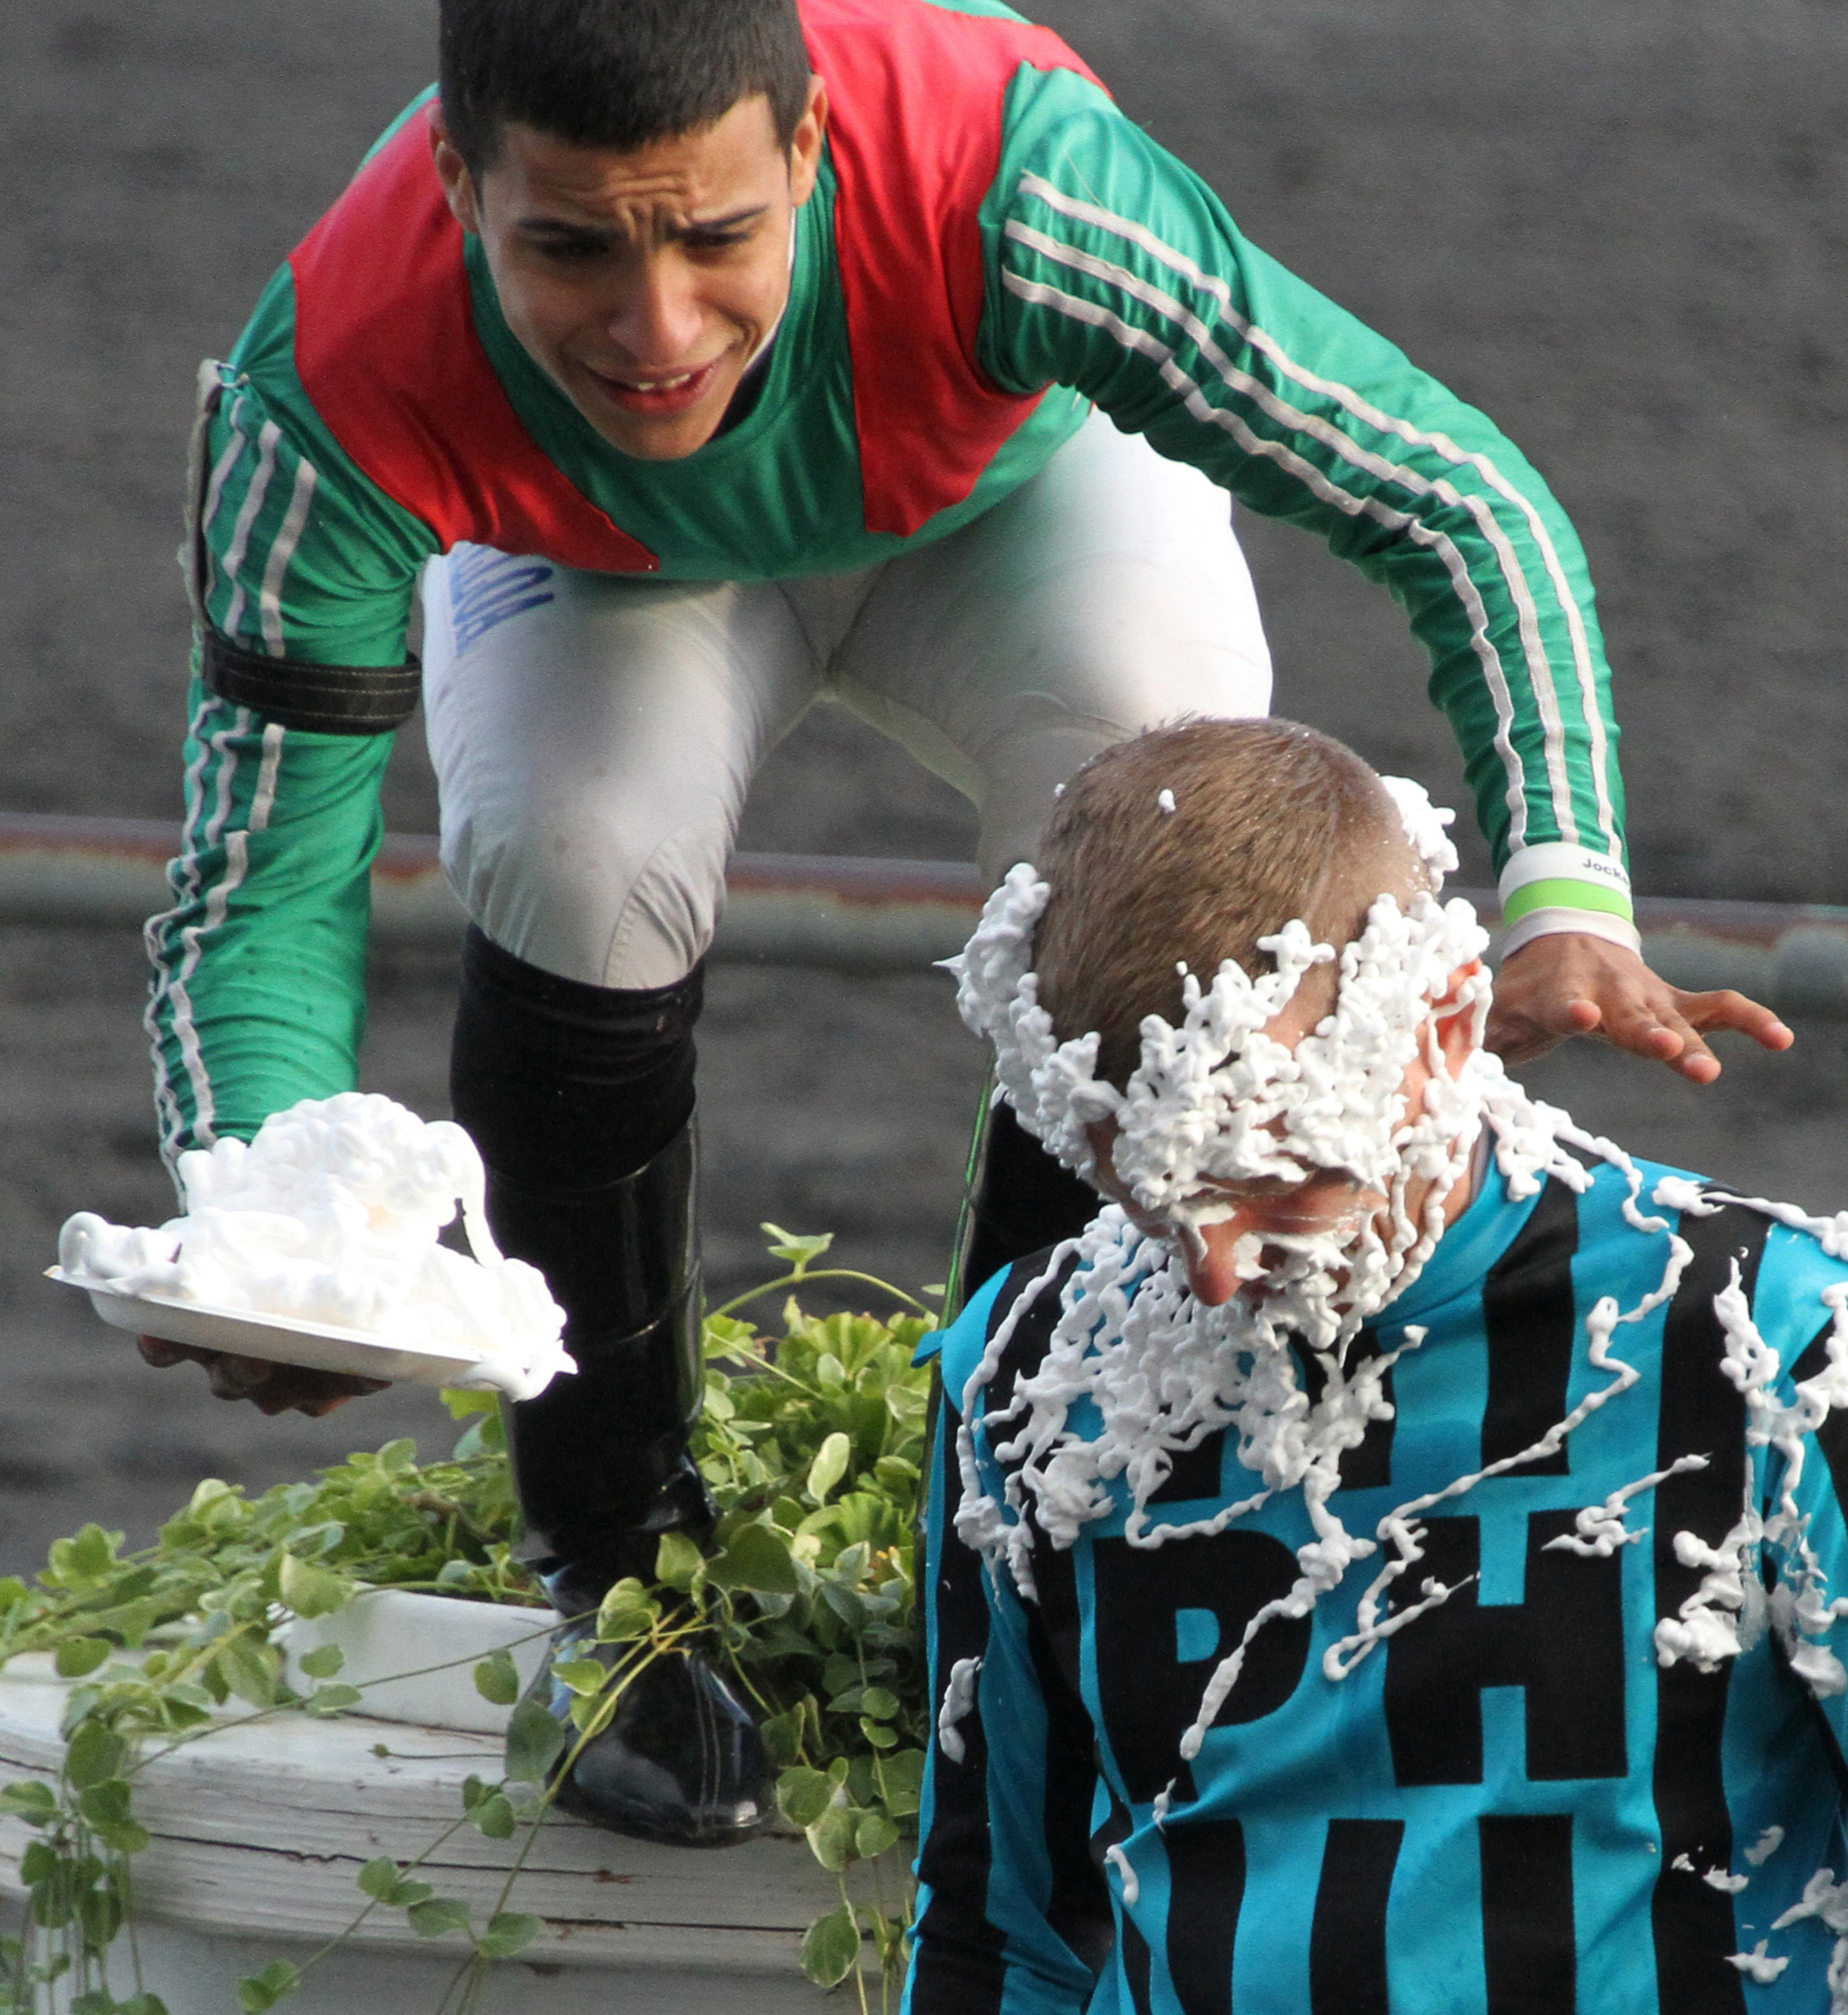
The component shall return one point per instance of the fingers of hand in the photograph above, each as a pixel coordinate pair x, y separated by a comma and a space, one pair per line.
273, 1399
1665, 1023
1570, 984
1653, 1025
1579, 1015
272, 1388
1530, 1022
318, 1409
314, 1393
1726, 1009
161, 1352
238, 1377
1547, 1000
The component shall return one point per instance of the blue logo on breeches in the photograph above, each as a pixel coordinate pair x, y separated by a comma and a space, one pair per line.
486, 588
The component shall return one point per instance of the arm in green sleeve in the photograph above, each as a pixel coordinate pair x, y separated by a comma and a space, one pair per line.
297, 561
1114, 269
258, 992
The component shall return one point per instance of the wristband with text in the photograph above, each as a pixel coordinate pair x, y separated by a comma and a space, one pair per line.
1556, 886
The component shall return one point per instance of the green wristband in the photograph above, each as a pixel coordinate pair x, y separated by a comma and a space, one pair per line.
1563, 894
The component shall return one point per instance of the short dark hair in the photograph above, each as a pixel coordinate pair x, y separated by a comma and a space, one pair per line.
614, 73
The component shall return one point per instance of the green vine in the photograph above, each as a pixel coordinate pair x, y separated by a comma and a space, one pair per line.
813, 1446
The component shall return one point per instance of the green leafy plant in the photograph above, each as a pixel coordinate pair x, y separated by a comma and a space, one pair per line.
813, 1450
813, 1443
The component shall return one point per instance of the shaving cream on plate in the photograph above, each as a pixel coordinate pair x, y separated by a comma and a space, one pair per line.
331, 1216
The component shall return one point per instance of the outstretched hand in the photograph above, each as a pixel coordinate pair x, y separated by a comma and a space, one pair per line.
271, 1389
1570, 984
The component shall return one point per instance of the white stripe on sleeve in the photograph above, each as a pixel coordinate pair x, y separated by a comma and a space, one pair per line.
174, 990
282, 552
221, 469
268, 437
1298, 421
185, 882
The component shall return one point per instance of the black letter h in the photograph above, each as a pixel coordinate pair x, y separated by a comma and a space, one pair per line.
1563, 1646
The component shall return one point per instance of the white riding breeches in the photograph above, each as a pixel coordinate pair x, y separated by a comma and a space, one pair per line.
594, 735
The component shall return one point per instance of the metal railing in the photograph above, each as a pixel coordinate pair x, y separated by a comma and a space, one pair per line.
853, 915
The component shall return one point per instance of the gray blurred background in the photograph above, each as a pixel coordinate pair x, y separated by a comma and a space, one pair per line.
1617, 228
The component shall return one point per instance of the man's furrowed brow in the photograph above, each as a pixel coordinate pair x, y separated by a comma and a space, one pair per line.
562, 230
733, 221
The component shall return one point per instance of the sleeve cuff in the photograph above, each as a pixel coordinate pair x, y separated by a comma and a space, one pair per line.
1557, 876
1550, 919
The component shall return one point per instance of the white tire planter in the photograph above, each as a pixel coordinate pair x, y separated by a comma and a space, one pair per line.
259, 1831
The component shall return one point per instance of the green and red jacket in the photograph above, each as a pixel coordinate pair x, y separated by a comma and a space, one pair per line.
991, 250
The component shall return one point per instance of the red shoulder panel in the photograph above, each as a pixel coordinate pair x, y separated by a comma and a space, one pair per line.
917, 94
386, 347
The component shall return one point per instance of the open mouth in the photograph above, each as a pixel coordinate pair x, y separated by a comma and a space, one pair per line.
660, 393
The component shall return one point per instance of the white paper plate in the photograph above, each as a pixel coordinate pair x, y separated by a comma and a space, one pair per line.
319, 1346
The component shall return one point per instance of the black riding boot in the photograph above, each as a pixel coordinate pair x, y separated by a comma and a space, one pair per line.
1017, 1200
580, 1100
600, 1462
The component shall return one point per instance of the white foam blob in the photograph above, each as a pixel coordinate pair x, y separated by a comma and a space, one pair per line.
331, 1215
1826, 1898
959, 1703
1757, 1964
1768, 1842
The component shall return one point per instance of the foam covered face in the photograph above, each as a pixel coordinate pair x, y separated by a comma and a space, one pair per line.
1268, 1208
1227, 1227
1228, 1106
1260, 1241
1242, 1099
1232, 1232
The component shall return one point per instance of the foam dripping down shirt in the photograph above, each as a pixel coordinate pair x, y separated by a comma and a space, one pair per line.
1510, 1805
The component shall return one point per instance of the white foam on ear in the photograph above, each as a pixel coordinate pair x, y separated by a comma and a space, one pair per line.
1427, 824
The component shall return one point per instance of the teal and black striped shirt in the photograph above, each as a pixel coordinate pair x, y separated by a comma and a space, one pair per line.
1512, 1807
